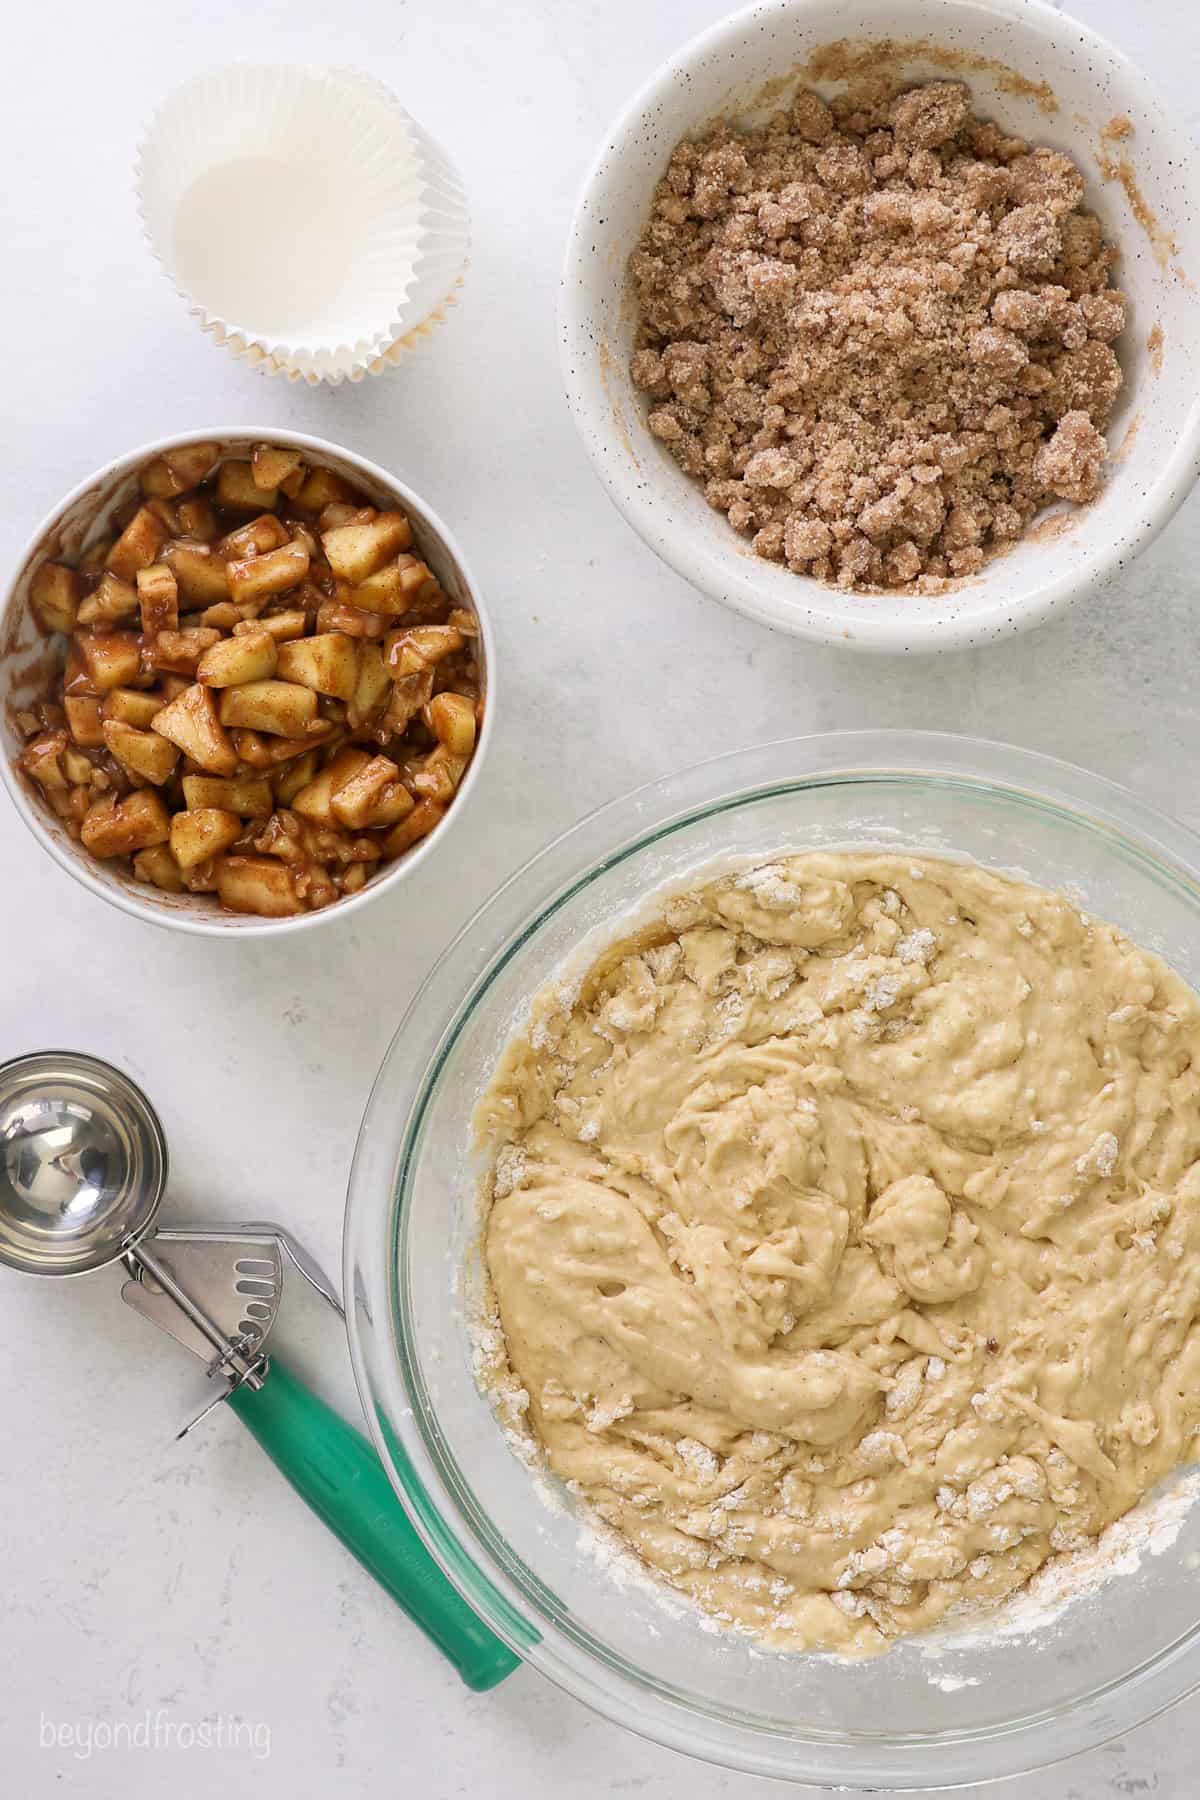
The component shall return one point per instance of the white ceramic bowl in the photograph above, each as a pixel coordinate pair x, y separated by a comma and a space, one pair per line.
1157, 424
28, 659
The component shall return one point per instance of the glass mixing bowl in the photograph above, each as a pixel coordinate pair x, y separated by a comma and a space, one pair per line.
515, 1545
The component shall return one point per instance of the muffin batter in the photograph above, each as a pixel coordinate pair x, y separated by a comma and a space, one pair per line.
844, 1231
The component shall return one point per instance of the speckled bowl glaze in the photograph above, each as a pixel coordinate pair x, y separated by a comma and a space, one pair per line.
28, 660
1044, 76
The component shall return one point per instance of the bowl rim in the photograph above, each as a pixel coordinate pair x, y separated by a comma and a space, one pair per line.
244, 925
822, 614
403, 1422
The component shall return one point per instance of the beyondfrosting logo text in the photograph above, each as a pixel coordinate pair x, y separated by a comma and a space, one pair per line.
156, 1730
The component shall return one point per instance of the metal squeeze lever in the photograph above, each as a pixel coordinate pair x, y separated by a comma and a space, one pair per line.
83, 1167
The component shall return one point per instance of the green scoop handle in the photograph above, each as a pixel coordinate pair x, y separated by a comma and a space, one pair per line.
334, 1468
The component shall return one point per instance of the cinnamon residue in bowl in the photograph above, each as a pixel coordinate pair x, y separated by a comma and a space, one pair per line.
879, 331
1115, 165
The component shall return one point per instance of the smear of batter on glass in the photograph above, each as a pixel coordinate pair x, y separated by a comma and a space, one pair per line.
844, 1233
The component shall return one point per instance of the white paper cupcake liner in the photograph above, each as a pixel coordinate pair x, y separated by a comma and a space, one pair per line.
309, 223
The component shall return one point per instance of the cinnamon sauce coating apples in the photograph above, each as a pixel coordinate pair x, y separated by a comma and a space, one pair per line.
265, 692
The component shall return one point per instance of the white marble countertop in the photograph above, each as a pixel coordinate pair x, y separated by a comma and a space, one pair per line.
143, 1574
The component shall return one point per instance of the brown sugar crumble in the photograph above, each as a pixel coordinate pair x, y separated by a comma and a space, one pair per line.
879, 332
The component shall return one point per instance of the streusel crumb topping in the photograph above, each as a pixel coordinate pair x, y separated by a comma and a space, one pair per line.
880, 333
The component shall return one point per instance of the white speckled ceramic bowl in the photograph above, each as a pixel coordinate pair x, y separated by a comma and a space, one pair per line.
28, 659
1152, 216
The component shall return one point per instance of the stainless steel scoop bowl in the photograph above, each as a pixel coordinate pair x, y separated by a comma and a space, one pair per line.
83, 1164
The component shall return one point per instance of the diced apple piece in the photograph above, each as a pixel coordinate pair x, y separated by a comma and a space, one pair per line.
179, 470
195, 836
170, 687
192, 722
197, 519
409, 651
329, 844
373, 796
143, 751
112, 658
320, 889
158, 598
257, 884
54, 596
319, 488
192, 463
255, 539
202, 879
419, 823
451, 718
355, 621
409, 694
237, 488
259, 752
438, 775
156, 480
280, 707
223, 616
280, 625
247, 795
41, 760
294, 776
111, 599
138, 545
200, 574
84, 719
164, 512
305, 538
371, 689
315, 801
76, 679
397, 586
115, 827
282, 836
257, 578
71, 806
47, 715
327, 663
180, 651
343, 512
270, 466
132, 707
356, 551
238, 659
146, 755
158, 867
77, 767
